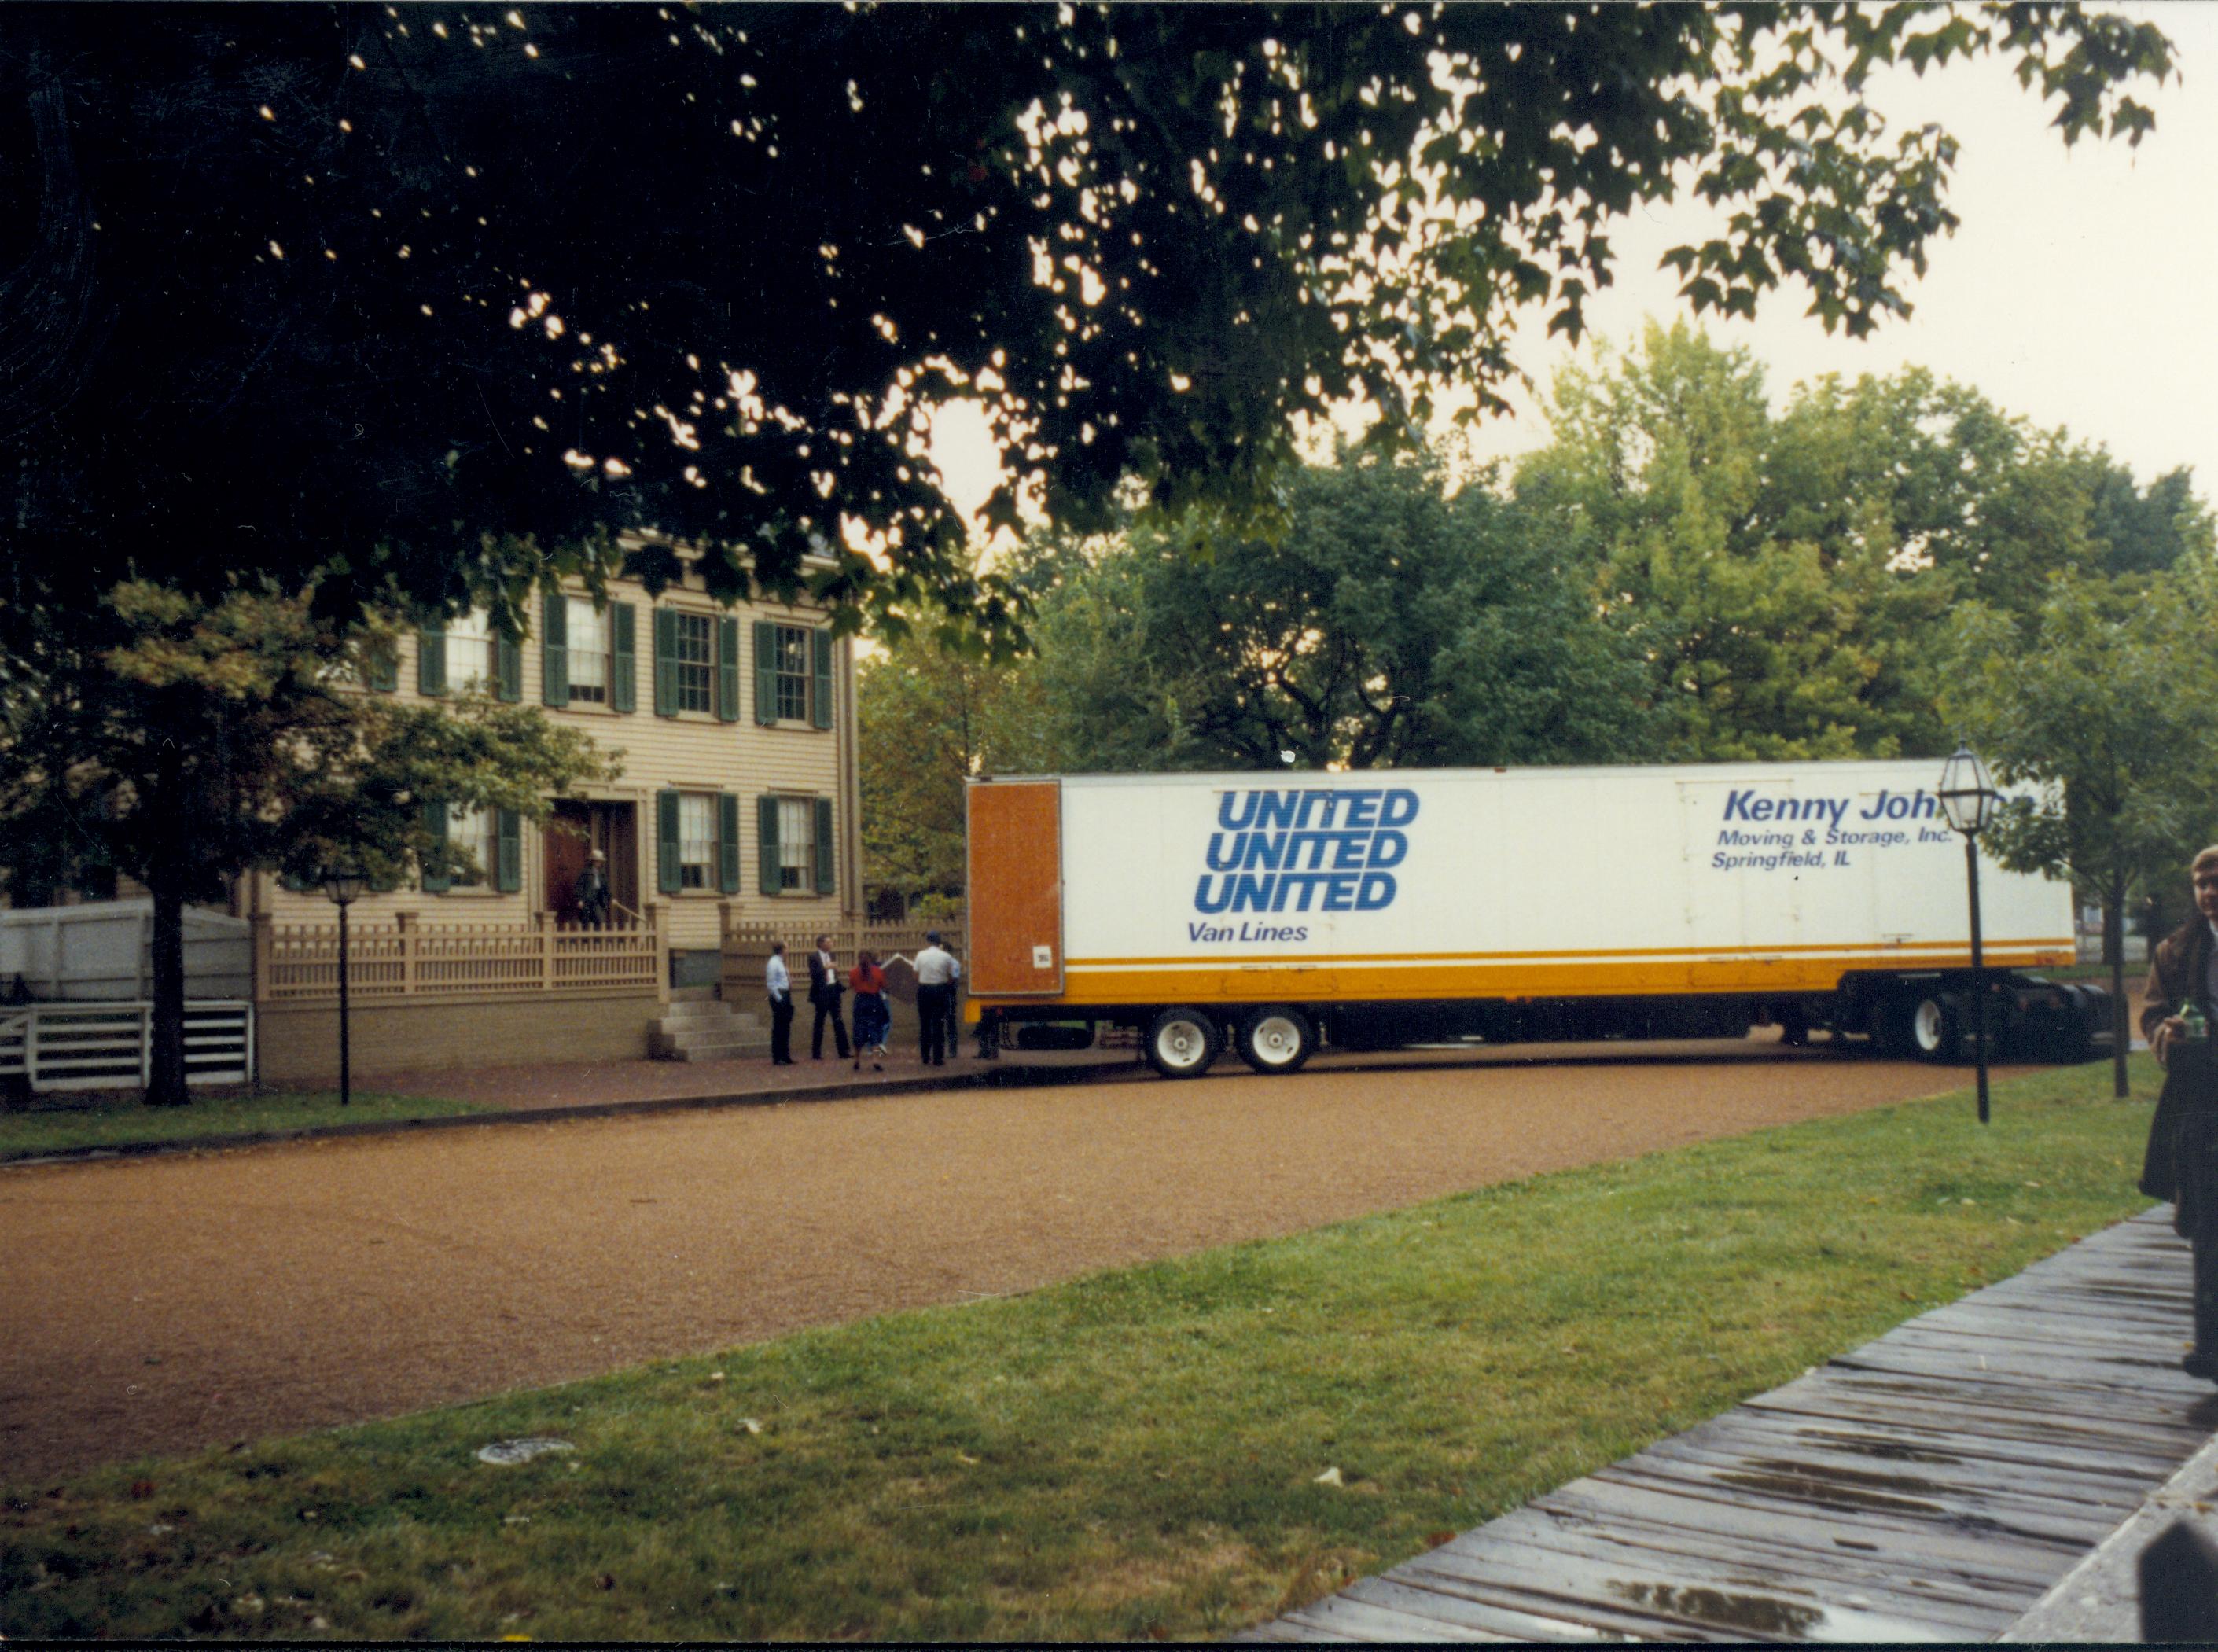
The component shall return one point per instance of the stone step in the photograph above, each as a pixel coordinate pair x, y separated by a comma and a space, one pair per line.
699, 1009
723, 1050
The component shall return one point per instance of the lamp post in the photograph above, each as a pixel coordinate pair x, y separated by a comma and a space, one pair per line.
343, 889
1968, 799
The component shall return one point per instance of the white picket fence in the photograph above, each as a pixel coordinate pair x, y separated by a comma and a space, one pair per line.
110, 1046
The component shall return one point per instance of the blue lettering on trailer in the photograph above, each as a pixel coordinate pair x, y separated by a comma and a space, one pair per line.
1304, 849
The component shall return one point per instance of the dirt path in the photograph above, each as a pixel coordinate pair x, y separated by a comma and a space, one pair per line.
158, 1305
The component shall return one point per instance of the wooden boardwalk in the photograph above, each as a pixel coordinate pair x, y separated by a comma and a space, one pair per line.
1929, 1486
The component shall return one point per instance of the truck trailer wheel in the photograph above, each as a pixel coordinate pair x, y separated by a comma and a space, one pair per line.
1276, 1039
1932, 1026
1181, 1043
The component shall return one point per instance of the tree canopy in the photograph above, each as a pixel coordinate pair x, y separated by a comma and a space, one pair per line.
409, 301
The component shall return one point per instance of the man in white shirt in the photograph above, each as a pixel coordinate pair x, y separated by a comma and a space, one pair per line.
936, 970
780, 986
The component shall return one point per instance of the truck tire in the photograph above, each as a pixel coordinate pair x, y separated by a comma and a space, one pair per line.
1181, 1042
1276, 1039
1932, 1026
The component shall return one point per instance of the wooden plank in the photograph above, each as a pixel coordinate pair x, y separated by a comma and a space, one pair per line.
1779, 1527
1942, 1450
1343, 1615
1505, 1608
1990, 1419
1470, 1617
1668, 1595
1837, 1480
1859, 1508
1786, 1452
1839, 1561
1552, 1546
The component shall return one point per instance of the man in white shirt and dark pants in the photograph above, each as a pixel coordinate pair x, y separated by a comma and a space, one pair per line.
779, 984
936, 970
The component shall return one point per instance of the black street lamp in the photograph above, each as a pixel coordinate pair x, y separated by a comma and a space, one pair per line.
343, 889
1968, 799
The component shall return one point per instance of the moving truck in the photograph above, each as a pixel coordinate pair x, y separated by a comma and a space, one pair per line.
1271, 914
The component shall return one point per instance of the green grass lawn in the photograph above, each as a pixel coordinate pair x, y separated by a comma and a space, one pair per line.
110, 1122
1132, 1454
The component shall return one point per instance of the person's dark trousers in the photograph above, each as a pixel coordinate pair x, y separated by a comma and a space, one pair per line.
781, 1030
931, 1020
828, 1008
2204, 1245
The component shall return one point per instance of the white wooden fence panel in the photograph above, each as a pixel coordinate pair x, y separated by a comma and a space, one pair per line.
110, 1046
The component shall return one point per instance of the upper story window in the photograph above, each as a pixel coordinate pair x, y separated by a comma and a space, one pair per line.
794, 672
588, 636
469, 651
695, 656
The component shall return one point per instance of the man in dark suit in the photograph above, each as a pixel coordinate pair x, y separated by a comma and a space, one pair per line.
825, 990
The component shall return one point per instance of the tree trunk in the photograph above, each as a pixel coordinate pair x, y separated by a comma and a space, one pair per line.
166, 1078
2114, 950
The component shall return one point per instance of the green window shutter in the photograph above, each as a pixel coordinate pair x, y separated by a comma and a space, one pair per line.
665, 662
384, 663
820, 704
554, 649
431, 660
509, 876
727, 842
508, 668
728, 670
828, 880
766, 844
435, 822
624, 669
765, 672
668, 877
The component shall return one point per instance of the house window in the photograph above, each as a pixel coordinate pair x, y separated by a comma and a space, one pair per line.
796, 842
695, 657
793, 672
469, 651
697, 840
588, 634
471, 831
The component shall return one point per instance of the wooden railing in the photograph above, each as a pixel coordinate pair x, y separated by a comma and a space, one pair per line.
747, 945
404, 958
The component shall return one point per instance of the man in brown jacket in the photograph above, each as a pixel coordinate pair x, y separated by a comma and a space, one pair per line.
2181, 1163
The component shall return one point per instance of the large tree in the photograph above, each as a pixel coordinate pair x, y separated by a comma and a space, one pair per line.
2101, 696
1787, 575
1394, 621
183, 742
374, 298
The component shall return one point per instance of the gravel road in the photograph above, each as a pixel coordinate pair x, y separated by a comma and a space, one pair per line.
162, 1304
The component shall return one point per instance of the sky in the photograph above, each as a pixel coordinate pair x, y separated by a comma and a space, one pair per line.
2077, 291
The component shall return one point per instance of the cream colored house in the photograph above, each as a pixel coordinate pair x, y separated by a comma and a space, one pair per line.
737, 808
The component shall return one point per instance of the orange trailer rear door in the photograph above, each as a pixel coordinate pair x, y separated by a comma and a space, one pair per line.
1015, 895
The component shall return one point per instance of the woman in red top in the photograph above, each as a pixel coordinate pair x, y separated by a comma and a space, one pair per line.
868, 983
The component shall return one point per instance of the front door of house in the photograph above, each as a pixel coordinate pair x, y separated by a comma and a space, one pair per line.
576, 831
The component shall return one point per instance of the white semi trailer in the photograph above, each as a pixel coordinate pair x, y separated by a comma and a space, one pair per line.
1273, 914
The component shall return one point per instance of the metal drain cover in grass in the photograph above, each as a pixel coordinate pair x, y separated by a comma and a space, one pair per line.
503, 1453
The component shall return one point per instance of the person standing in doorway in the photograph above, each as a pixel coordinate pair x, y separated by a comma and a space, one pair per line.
779, 984
2181, 1163
592, 891
825, 988
936, 970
